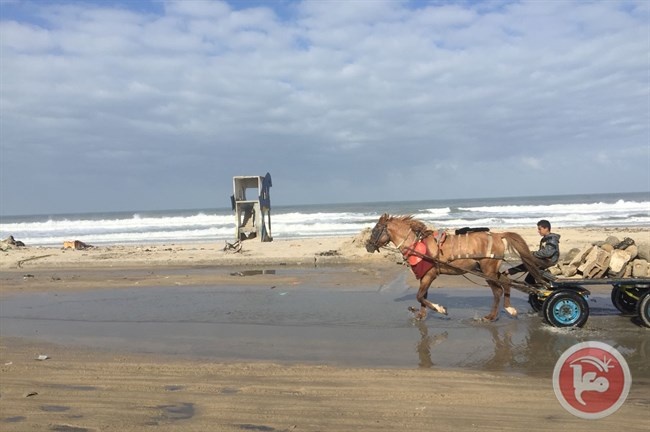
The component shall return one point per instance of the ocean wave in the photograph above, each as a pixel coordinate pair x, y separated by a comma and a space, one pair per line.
620, 206
307, 221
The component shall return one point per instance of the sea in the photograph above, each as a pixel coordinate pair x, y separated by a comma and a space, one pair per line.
210, 225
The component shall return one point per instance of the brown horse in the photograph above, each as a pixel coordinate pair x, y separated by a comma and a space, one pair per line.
431, 254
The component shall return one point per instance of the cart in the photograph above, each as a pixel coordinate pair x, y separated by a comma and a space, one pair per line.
563, 302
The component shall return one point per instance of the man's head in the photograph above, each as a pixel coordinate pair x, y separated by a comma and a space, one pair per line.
543, 227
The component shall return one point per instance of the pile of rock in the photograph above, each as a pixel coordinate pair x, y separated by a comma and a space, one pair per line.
10, 243
612, 258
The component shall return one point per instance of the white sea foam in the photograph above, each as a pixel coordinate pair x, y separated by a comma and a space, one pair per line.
321, 221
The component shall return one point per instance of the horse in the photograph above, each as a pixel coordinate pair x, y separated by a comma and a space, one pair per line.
432, 253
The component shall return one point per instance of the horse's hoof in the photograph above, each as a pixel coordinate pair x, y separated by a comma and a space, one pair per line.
489, 318
511, 311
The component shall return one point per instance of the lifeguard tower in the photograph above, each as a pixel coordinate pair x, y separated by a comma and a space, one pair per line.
253, 216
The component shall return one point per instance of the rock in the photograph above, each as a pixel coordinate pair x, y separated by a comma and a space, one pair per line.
628, 270
569, 256
555, 270
607, 247
639, 268
633, 250
625, 243
612, 240
580, 256
595, 264
618, 260
643, 251
569, 270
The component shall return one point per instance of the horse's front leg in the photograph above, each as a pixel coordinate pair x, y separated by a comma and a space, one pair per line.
421, 297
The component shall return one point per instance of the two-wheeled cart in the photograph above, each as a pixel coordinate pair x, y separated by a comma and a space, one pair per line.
563, 302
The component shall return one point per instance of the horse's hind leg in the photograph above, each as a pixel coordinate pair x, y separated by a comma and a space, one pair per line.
497, 291
491, 269
506, 301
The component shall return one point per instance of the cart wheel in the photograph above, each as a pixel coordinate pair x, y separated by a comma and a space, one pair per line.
535, 302
566, 308
643, 309
622, 298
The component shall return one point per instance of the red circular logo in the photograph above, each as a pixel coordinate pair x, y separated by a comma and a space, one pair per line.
591, 380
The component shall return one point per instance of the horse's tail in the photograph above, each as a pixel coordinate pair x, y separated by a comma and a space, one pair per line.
517, 244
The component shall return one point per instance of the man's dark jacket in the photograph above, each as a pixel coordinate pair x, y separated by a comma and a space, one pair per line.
549, 249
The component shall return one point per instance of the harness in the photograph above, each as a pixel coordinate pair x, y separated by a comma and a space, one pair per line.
460, 242
426, 260
421, 260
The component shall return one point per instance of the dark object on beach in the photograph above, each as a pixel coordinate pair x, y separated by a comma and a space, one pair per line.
11, 241
329, 253
233, 247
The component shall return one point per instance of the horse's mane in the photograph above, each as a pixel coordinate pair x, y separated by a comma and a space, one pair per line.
417, 226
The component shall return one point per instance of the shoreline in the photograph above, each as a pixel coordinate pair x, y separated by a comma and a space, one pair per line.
33, 268
293, 251
19, 266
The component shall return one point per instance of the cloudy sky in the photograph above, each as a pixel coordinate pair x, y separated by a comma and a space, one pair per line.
156, 104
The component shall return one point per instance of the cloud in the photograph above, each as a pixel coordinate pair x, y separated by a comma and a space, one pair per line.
111, 107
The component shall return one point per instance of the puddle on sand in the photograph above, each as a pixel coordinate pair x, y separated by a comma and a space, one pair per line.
15, 419
253, 272
67, 428
252, 427
366, 327
182, 411
72, 387
173, 388
54, 408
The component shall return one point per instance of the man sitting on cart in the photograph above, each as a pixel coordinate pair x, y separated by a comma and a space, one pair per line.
547, 255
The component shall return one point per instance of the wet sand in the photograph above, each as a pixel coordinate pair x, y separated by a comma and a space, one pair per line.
363, 325
282, 365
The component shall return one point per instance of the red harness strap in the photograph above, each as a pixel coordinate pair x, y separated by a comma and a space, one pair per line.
414, 256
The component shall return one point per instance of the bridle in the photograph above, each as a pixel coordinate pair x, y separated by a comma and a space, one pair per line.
377, 232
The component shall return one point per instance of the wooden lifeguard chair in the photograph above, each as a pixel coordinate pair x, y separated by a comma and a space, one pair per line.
253, 216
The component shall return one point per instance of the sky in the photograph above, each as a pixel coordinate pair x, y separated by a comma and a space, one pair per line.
156, 104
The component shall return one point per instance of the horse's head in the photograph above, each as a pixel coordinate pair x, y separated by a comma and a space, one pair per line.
379, 236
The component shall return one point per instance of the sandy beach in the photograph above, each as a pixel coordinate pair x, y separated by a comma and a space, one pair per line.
81, 389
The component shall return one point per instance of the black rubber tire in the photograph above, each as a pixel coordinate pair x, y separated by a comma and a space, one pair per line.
643, 309
535, 302
566, 308
621, 299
